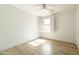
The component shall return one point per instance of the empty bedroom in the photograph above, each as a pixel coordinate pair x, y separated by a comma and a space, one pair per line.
39, 29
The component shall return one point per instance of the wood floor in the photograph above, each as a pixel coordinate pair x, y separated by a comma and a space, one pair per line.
48, 47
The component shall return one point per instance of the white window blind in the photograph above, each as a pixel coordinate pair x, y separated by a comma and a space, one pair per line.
48, 24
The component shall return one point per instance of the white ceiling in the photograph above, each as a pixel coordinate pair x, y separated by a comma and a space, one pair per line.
56, 7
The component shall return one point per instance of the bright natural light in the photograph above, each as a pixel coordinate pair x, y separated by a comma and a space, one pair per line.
37, 42
46, 28
47, 49
47, 21
46, 25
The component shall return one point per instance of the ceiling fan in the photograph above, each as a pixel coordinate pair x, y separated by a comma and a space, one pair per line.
45, 10
45, 6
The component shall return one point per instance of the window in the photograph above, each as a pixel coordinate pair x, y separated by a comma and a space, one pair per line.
46, 24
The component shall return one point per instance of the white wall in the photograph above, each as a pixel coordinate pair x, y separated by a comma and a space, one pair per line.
64, 25
77, 26
16, 26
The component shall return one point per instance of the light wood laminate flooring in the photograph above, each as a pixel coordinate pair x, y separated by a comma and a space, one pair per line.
43, 47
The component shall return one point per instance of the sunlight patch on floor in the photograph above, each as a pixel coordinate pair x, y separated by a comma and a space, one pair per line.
37, 42
46, 49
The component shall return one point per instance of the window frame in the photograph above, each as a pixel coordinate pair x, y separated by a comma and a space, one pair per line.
48, 25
